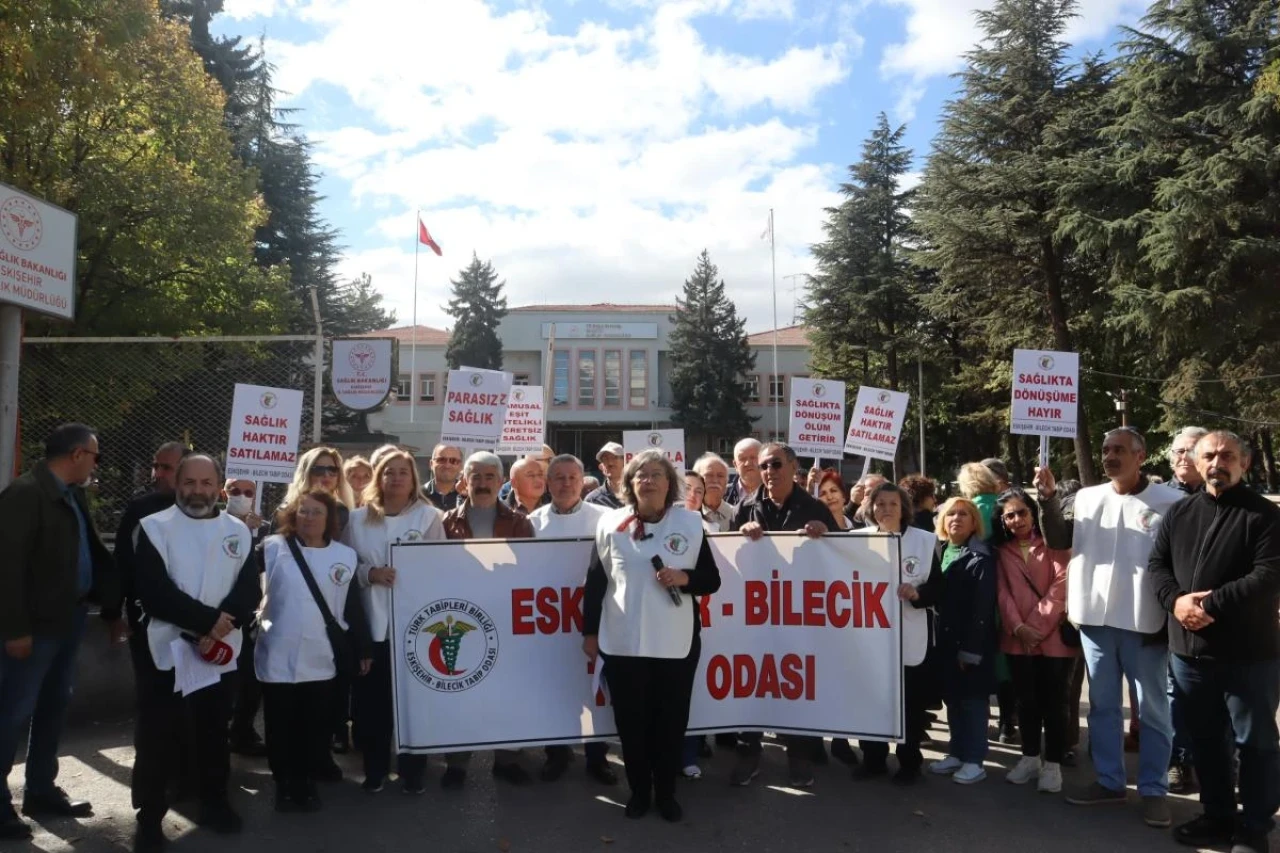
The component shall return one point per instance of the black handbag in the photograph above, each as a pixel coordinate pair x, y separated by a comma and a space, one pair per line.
1068, 633
344, 657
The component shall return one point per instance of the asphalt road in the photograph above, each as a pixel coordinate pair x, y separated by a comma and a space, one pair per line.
576, 814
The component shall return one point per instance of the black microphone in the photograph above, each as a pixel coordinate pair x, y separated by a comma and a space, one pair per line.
676, 598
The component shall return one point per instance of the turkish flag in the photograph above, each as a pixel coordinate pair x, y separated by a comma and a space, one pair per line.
424, 237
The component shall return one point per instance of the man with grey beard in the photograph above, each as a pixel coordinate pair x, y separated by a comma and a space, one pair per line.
197, 583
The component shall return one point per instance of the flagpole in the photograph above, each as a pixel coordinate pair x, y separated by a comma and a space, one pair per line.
413, 353
773, 258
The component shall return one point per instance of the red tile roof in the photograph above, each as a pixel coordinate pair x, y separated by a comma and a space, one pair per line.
791, 336
600, 307
427, 336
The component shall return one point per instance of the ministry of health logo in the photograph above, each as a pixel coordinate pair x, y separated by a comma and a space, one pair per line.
451, 645
362, 357
20, 223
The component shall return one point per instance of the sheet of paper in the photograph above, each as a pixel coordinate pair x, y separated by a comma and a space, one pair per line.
192, 672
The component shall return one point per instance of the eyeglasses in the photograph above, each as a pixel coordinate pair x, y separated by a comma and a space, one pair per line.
1015, 514
650, 476
1182, 451
312, 513
94, 453
772, 464
325, 470
448, 460
236, 491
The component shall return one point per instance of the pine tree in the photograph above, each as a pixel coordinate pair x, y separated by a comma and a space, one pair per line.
1182, 200
710, 358
477, 307
988, 208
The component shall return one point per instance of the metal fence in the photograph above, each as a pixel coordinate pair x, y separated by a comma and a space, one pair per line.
141, 392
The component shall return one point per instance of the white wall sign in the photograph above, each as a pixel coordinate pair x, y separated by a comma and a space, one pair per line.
669, 441
361, 372
475, 407
265, 426
525, 424
37, 254
591, 331
876, 423
1046, 387
505, 620
817, 418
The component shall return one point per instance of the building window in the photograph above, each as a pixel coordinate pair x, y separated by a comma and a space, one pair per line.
613, 377
639, 379
724, 447
752, 384
777, 388
520, 379
560, 378
403, 383
587, 378
427, 388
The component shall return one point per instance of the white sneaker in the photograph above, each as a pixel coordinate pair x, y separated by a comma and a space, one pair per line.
968, 774
946, 766
1050, 778
693, 771
1027, 768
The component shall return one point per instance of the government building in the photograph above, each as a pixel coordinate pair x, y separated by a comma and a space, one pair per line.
609, 368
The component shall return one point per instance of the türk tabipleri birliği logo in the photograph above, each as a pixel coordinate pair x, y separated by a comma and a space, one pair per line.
451, 645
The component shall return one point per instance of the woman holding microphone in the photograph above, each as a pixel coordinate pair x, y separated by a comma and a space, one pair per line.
308, 585
394, 511
640, 616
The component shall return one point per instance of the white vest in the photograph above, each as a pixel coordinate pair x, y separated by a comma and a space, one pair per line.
293, 646
420, 522
203, 556
916, 551
1107, 579
638, 618
549, 524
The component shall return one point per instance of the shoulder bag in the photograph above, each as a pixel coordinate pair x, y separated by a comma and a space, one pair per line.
1068, 633
344, 658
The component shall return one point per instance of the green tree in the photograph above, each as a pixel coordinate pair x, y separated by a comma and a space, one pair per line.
477, 308
105, 110
861, 305
988, 208
1182, 198
710, 358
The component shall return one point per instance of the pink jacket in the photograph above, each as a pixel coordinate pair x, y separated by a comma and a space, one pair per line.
1019, 605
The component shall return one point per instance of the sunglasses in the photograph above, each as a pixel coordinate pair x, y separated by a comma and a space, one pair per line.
236, 492
325, 470
448, 460
95, 454
772, 464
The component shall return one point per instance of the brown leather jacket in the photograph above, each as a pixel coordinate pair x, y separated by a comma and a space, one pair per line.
508, 525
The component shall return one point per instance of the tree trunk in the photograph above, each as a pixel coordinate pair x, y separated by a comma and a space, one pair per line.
1051, 266
1016, 471
1269, 460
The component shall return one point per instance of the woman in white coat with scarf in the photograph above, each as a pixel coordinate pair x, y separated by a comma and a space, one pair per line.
393, 511
294, 659
641, 616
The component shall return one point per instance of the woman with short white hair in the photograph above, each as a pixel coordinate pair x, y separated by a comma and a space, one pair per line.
640, 614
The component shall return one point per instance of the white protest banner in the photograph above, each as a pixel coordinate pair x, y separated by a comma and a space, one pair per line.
475, 405
265, 426
526, 421
817, 417
876, 423
37, 254
669, 441
360, 374
1045, 393
474, 624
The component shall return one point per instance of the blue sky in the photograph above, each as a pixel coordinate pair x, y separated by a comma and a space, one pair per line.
592, 149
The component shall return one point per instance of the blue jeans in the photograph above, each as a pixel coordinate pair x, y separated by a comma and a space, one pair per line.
690, 753
1109, 654
1183, 746
1222, 696
34, 695
967, 723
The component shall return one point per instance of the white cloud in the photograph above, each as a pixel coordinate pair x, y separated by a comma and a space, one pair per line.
938, 32
591, 165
